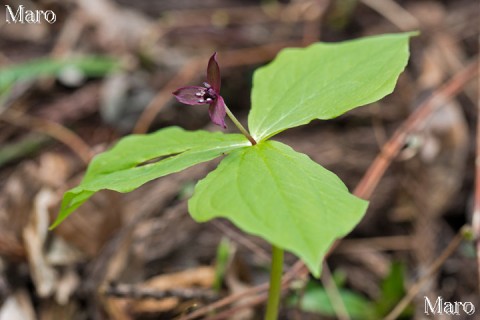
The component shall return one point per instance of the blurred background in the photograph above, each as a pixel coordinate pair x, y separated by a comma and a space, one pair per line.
71, 87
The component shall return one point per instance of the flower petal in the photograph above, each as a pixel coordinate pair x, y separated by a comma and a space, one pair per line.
188, 95
217, 112
213, 73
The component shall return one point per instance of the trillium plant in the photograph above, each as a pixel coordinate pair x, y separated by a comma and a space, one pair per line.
263, 186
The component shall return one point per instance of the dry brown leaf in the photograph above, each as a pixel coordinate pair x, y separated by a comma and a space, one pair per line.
17, 307
34, 235
110, 20
196, 277
66, 286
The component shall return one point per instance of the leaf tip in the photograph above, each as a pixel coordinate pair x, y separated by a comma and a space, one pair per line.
414, 33
55, 224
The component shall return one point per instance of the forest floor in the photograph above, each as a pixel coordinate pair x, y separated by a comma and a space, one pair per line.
140, 255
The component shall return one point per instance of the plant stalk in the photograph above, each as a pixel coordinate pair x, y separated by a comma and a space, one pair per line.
275, 284
240, 127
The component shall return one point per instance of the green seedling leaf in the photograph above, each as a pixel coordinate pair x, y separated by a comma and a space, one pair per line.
392, 291
281, 195
224, 254
137, 159
316, 300
339, 277
91, 66
324, 81
25, 146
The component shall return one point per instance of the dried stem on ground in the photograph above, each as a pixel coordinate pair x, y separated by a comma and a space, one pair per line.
52, 129
138, 292
185, 75
296, 271
395, 243
228, 314
243, 240
394, 13
391, 149
333, 294
434, 267
476, 208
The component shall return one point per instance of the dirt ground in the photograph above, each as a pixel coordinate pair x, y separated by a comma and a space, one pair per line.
140, 255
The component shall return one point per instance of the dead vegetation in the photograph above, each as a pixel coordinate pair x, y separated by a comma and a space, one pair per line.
140, 255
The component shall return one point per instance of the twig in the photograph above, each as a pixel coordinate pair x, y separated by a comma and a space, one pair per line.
69, 34
298, 269
140, 292
266, 14
298, 305
375, 243
188, 72
394, 13
241, 239
434, 267
333, 294
314, 12
252, 302
476, 208
227, 314
391, 149
226, 301
52, 129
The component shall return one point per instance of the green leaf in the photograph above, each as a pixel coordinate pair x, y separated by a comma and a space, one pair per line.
138, 159
92, 66
225, 251
392, 290
316, 300
324, 81
281, 195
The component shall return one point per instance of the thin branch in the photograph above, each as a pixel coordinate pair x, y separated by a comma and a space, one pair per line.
228, 314
476, 208
314, 13
394, 13
260, 289
243, 240
333, 294
391, 149
294, 272
349, 246
185, 75
260, 298
434, 267
141, 292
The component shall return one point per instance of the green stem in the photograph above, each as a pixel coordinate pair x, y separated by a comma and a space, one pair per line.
275, 284
240, 127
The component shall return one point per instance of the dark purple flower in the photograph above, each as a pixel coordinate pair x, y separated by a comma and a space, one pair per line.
208, 94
